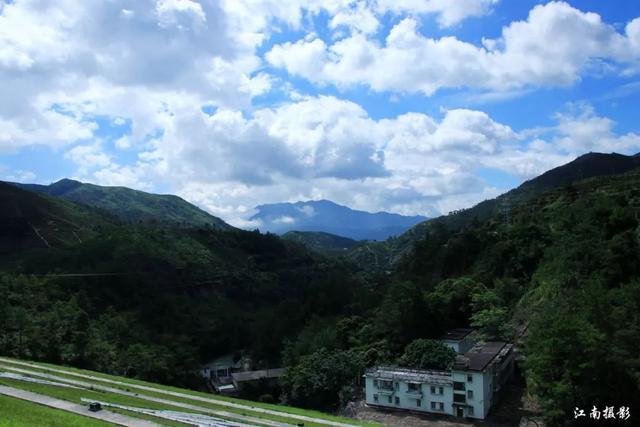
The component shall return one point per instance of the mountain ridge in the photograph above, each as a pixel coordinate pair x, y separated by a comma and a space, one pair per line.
330, 217
388, 253
130, 205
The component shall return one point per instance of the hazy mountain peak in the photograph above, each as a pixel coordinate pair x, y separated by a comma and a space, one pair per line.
330, 217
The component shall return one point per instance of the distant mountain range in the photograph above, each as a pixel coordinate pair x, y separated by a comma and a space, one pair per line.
131, 205
329, 217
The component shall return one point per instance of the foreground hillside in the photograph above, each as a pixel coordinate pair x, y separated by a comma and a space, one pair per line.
156, 404
131, 205
154, 302
557, 270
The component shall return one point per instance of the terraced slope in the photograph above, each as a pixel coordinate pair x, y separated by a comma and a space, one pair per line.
151, 401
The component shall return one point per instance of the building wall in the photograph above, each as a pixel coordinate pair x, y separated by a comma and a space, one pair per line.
461, 346
481, 398
407, 400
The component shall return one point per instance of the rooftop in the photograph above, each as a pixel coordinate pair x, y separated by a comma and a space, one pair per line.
456, 334
482, 355
410, 375
256, 375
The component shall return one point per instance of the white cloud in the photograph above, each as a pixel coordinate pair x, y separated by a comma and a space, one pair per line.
88, 157
413, 163
541, 51
449, 12
20, 175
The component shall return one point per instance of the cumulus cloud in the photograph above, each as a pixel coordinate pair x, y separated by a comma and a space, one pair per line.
149, 67
327, 148
540, 51
448, 12
54, 52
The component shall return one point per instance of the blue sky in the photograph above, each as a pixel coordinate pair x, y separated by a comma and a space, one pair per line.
409, 106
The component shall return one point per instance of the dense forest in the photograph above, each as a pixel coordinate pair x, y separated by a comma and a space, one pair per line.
557, 271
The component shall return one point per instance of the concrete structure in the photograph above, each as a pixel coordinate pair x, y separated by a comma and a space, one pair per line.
459, 340
469, 389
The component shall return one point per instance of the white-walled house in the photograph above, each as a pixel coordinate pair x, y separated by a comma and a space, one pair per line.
469, 389
459, 340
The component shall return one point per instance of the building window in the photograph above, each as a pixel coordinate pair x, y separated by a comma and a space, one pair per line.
375, 398
459, 398
433, 390
433, 405
375, 383
469, 378
397, 400
470, 394
386, 385
397, 386
418, 402
457, 385
441, 389
413, 387
389, 397
470, 410
437, 390
437, 406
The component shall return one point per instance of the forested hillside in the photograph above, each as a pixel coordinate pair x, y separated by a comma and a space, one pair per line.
557, 271
131, 205
153, 302
388, 253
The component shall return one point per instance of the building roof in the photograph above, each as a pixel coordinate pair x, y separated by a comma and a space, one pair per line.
410, 375
256, 375
482, 355
456, 334
224, 362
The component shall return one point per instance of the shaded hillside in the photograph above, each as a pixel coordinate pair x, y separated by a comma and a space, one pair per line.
326, 216
155, 302
29, 220
321, 242
131, 205
388, 253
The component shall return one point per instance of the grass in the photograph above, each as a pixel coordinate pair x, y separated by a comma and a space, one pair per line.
284, 409
18, 413
157, 420
75, 395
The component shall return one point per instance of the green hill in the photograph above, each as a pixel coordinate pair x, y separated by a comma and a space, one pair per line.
388, 253
154, 302
320, 241
131, 205
29, 220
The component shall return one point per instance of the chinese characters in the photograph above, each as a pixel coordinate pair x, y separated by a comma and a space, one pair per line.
608, 413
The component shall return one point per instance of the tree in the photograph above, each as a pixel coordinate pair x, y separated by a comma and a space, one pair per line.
490, 318
427, 354
323, 379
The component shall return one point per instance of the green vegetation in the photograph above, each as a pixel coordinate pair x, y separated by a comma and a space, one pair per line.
76, 395
427, 354
19, 413
71, 394
553, 266
132, 205
321, 242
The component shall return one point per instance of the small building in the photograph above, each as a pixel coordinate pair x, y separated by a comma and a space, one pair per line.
459, 340
468, 390
227, 374
218, 373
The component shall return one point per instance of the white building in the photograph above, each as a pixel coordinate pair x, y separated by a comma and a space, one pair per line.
459, 340
469, 389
